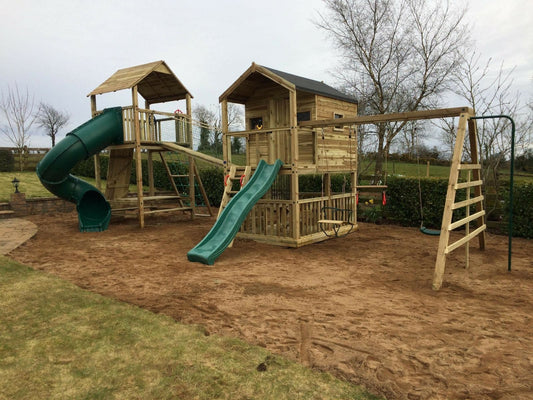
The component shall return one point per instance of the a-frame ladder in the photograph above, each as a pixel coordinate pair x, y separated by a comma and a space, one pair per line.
172, 177
473, 181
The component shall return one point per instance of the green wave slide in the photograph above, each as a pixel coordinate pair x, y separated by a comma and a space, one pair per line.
234, 214
94, 212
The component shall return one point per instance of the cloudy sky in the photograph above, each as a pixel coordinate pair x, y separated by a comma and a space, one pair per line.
62, 49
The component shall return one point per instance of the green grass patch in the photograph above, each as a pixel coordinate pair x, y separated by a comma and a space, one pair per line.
59, 341
401, 168
31, 185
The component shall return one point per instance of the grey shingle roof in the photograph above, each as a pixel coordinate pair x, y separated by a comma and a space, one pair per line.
312, 86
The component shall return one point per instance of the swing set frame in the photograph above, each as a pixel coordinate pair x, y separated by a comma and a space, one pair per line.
467, 124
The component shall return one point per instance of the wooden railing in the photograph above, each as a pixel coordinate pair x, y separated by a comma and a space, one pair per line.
270, 218
157, 126
311, 210
273, 217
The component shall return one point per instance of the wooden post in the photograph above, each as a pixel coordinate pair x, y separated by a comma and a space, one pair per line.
97, 171
450, 199
467, 226
151, 186
476, 174
138, 159
226, 153
271, 136
189, 120
192, 198
427, 170
353, 180
295, 195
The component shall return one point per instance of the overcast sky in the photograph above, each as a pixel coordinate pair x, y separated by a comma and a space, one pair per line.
62, 49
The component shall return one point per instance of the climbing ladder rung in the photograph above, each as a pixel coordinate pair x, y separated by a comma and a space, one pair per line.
163, 210
149, 198
465, 239
464, 221
179, 176
465, 203
464, 185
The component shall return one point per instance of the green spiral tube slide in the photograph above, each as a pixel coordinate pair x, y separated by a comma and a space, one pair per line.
94, 212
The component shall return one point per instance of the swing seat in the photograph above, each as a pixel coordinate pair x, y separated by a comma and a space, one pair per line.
342, 218
431, 232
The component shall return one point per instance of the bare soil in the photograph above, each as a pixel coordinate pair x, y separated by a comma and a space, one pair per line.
360, 307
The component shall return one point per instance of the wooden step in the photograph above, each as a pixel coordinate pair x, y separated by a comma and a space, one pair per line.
6, 213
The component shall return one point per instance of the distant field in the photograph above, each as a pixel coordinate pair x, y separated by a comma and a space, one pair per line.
407, 169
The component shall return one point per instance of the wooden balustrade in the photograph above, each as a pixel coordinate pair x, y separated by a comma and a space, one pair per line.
155, 126
273, 217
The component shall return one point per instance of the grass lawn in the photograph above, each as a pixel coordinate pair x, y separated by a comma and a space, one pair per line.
31, 185
58, 341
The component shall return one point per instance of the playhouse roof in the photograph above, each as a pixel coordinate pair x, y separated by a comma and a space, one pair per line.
155, 82
246, 84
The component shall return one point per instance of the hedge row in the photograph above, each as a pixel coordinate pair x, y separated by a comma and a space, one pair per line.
7, 161
212, 178
522, 210
403, 194
403, 205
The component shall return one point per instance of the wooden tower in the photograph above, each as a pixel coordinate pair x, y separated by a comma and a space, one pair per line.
150, 132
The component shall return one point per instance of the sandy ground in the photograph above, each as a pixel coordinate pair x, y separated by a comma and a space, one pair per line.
360, 306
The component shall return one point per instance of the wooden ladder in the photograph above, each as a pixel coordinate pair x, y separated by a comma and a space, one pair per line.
228, 186
473, 181
172, 178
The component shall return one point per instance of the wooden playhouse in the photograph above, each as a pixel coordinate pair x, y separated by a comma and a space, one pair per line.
275, 104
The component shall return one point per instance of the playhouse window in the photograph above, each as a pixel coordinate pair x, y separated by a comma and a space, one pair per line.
303, 116
337, 116
256, 123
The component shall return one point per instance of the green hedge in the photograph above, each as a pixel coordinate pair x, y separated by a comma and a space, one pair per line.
403, 201
522, 210
212, 178
7, 161
403, 205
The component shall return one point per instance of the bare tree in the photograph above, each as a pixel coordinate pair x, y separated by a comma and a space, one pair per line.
18, 111
397, 55
51, 120
210, 123
490, 92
